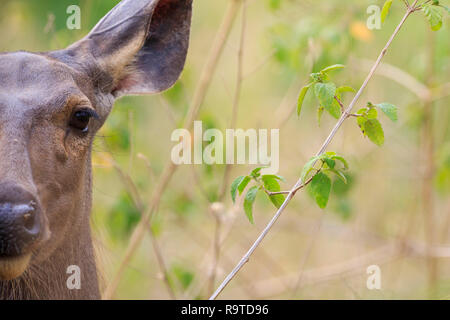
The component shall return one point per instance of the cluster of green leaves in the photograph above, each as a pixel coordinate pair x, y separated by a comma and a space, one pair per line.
266, 182
367, 119
319, 169
432, 11
326, 92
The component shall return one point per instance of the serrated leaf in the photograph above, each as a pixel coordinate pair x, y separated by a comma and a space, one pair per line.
234, 187
248, 202
433, 15
385, 11
301, 98
374, 131
389, 110
320, 187
243, 184
325, 93
372, 114
332, 68
271, 184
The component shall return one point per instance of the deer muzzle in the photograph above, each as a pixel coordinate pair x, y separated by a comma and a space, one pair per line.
20, 230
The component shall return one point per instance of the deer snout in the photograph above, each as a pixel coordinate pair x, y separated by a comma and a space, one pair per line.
20, 223
20, 229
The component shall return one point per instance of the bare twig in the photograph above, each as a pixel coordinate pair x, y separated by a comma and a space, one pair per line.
322, 149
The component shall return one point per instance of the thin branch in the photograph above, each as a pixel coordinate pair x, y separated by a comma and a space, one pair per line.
407, 4
324, 146
169, 170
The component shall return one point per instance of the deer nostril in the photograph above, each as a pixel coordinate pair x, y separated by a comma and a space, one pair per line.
28, 220
19, 228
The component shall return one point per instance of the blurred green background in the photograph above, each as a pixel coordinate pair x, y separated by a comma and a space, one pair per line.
397, 201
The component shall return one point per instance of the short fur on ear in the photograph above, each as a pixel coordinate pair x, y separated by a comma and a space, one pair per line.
141, 44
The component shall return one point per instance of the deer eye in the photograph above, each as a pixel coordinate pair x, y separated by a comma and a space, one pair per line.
80, 119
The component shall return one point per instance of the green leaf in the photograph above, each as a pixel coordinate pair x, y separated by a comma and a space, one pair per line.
433, 15
340, 174
361, 123
275, 176
342, 160
234, 187
248, 202
271, 184
256, 172
385, 11
344, 89
325, 93
389, 110
309, 166
374, 131
330, 163
320, 187
372, 114
243, 184
332, 68
301, 98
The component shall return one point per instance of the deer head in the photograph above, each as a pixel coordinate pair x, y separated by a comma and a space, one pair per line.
51, 106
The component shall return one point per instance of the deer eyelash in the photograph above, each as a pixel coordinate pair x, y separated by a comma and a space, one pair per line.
89, 111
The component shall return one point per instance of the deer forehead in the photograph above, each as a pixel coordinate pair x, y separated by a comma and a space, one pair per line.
34, 81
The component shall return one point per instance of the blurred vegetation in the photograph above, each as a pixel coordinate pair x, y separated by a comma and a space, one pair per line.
285, 40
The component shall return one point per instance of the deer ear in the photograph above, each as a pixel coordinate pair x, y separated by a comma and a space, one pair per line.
141, 45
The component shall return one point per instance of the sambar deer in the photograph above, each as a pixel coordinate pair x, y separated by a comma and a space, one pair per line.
51, 106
